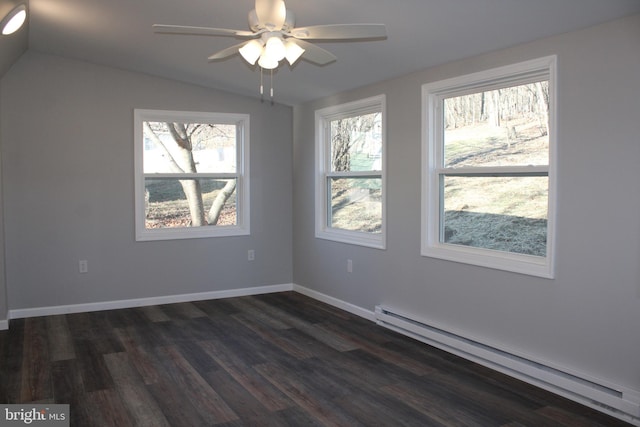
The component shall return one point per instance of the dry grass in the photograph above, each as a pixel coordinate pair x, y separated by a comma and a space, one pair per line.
506, 213
175, 213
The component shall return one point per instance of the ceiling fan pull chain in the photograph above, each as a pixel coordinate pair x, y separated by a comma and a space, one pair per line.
261, 87
271, 87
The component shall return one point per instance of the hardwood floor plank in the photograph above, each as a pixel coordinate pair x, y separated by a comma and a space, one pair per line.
585, 417
263, 391
154, 313
105, 408
95, 374
293, 309
437, 407
139, 355
198, 358
139, 403
319, 405
36, 367
322, 309
216, 308
274, 336
246, 344
68, 388
4, 375
247, 310
397, 358
377, 409
175, 405
59, 338
362, 369
210, 406
148, 335
12, 361
239, 399
287, 315
291, 417
503, 404
182, 311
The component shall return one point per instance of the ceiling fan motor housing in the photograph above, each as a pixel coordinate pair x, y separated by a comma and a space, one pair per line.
254, 22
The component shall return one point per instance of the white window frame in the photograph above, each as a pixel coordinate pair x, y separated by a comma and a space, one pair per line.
242, 227
433, 95
323, 119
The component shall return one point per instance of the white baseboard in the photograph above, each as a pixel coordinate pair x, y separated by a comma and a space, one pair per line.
141, 302
353, 309
4, 325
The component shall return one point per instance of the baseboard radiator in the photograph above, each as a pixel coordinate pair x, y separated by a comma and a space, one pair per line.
613, 400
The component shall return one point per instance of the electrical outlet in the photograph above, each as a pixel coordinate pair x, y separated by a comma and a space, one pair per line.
349, 266
251, 255
83, 266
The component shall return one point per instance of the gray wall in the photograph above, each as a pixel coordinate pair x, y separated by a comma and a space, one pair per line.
67, 135
14, 45
587, 318
11, 47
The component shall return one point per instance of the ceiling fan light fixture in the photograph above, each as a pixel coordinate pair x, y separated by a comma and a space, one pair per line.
267, 62
251, 51
14, 20
294, 52
275, 48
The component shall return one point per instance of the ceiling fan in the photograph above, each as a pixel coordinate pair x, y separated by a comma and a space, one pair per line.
273, 36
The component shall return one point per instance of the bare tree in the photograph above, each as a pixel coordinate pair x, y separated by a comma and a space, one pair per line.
347, 134
179, 154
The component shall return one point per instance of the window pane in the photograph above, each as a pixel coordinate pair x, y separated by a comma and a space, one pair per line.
502, 127
166, 205
356, 143
356, 204
192, 147
506, 213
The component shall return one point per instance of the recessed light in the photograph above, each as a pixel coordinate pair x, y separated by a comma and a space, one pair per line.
14, 20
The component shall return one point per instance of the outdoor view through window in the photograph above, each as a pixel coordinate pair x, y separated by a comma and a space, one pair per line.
189, 174
355, 181
494, 182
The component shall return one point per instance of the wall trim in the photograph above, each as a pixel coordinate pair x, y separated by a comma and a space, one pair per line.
4, 325
141, 302
353, 309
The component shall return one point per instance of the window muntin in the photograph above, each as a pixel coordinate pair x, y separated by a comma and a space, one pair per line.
191, 174
488, 162
350, 167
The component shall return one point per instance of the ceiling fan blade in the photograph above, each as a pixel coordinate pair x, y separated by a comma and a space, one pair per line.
340, 32
201, 31
315, 54
271, 13
225, 53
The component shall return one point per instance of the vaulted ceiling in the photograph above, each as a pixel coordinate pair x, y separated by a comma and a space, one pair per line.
421, 34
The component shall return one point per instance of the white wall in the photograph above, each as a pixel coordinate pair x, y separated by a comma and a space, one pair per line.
587, 319
67, 160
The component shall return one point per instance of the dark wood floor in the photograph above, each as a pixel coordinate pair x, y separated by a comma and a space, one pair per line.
269, 360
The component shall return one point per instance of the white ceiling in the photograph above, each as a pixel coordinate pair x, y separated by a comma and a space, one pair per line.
421, 34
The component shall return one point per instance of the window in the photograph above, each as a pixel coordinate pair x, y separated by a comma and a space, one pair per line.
488, 168
192, 175
350, 155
